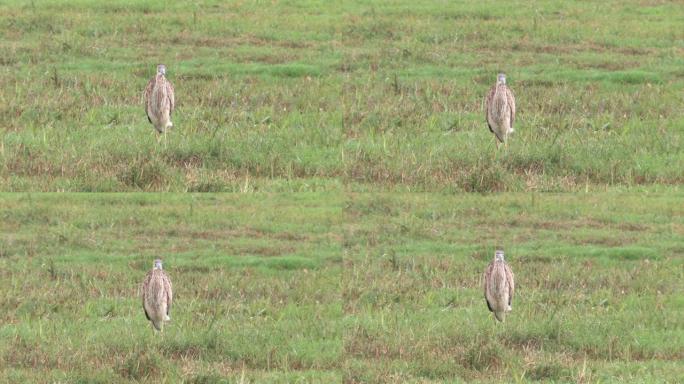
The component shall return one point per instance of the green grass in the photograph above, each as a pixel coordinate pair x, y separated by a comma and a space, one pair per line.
350, 134
305, 95
598, 288
256, 288
320, 288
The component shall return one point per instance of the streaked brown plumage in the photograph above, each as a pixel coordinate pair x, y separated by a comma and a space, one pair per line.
157, 296
500, 110
159, 100
499, 286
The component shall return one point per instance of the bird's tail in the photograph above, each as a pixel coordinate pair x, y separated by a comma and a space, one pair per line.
501, 316
157, 325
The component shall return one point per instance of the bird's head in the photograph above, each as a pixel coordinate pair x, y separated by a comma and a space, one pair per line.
501, 78
158, 264
161, 69
499, 255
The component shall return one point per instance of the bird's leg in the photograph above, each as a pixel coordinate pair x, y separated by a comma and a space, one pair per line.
165, 139
494, 328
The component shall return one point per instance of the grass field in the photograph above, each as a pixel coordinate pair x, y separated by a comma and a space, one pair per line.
272, 289
304, 95
352, 134
599, 282
256, 283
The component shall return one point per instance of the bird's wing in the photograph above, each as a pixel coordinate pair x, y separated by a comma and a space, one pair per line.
510, 98
145, 287
511, 283
488, 105
172, 98
489, 305
148, 96
487, 277
169, 292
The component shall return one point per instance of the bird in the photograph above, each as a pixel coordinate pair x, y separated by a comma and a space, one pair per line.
157, 296
500, 110
499, 286
159, 101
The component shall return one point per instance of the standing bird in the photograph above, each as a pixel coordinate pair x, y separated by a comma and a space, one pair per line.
500, 110
499, 286
157, 296
159, 101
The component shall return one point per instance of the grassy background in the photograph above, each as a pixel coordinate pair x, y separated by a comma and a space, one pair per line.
256, 288
598, 288
305, 95
315, 287
315, 96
